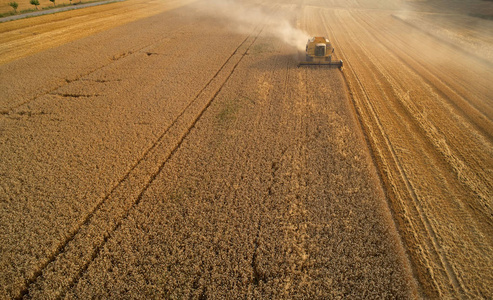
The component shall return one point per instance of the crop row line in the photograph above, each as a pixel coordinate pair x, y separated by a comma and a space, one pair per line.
461, 105
431, 232
431, 237
161, 167
61, 247
372, 141
114, 59
118, 201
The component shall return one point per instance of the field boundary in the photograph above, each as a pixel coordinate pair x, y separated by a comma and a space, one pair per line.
55, 10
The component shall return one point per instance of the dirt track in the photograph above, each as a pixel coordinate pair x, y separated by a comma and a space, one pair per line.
137, 164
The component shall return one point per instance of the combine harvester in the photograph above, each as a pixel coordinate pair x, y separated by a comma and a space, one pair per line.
319, 53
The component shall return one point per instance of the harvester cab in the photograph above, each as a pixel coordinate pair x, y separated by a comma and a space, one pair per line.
319, 52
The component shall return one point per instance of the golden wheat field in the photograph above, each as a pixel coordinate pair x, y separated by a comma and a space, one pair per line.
168, 149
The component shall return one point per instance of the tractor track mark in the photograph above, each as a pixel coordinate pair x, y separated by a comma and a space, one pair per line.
163, 164
149, 153
60, 249
369, 136
442, 88
456, 167
80, 77
431, 238
256, 275
455, 159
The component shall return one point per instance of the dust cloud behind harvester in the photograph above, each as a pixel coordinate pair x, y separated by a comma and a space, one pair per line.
241, 17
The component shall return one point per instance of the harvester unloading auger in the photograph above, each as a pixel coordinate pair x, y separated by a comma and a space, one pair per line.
319, 53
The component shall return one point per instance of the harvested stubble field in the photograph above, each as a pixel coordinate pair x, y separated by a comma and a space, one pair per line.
178, 156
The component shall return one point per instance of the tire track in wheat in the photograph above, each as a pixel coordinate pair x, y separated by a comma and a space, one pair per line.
116, 57
40, 283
